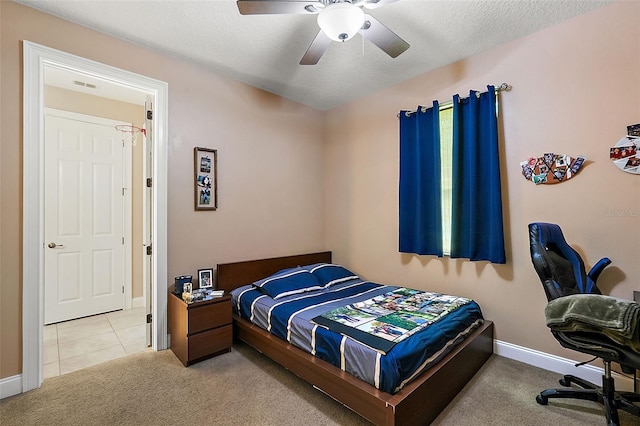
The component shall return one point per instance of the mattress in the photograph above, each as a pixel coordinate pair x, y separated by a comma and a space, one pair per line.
289, 315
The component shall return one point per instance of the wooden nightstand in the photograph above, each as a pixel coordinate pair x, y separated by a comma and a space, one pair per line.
199, 330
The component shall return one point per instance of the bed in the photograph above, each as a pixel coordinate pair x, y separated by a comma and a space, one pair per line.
417, 402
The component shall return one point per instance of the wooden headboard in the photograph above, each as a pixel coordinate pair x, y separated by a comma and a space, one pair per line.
230, 276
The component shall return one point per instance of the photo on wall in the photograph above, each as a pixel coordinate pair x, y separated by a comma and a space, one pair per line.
625, 154
206, 180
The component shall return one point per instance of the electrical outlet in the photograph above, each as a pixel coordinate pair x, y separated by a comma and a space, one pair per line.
636, 296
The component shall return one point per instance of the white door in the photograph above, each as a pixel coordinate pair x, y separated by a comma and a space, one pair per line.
83, 216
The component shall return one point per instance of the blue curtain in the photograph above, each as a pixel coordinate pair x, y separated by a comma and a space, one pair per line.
420, 183
476, 232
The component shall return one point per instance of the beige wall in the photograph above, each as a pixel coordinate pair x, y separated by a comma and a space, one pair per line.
576, 87
67, 100
270, 161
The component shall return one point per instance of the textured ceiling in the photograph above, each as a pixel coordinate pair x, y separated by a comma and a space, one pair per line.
264, 50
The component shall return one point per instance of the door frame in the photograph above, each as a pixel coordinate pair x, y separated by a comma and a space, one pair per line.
35, 58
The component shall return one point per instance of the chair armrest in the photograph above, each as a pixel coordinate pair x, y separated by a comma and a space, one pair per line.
594, 273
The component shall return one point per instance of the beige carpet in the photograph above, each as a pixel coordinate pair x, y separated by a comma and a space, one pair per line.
245, 388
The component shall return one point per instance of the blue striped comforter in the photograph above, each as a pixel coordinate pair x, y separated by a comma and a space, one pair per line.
290, 319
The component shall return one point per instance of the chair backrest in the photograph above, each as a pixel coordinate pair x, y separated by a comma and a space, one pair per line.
558, 265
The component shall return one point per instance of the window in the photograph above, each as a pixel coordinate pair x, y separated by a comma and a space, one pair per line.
446, 170
444, 209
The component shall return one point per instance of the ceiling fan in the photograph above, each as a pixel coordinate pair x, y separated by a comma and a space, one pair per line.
339, 20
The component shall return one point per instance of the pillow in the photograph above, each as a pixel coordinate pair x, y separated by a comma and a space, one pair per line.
329, 274
288, 282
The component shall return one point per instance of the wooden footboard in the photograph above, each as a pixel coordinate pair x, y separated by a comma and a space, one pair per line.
418, 403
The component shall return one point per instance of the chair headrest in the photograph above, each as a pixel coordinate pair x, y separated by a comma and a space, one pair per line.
558, 265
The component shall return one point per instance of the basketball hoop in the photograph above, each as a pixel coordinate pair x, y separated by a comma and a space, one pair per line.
131, 130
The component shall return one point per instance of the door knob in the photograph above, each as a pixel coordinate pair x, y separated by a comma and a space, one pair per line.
54, 245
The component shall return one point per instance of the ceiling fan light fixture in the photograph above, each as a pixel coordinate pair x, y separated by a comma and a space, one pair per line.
341, 21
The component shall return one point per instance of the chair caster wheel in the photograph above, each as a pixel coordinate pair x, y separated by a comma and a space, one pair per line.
565, 382
542, 400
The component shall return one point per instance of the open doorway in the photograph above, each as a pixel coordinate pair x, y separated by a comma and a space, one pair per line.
36, 59
94, 305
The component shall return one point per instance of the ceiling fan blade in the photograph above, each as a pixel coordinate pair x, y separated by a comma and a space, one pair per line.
267, 7
374, 4
374, 31
318, 46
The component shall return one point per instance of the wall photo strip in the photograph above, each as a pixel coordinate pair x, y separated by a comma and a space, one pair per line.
206, 178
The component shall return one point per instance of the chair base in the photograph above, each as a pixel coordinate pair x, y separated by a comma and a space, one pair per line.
605, 395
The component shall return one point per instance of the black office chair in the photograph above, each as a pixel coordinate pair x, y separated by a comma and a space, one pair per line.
574, 299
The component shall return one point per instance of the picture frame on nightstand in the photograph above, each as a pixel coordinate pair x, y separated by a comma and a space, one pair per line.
205, 278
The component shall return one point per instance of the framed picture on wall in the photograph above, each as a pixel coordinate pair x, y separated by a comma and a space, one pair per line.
205, 178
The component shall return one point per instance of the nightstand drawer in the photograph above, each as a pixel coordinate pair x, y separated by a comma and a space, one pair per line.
210, 342
208, 316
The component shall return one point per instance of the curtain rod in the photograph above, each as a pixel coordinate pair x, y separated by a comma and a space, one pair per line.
504, 87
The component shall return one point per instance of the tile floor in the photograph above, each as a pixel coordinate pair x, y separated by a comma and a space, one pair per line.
72, 345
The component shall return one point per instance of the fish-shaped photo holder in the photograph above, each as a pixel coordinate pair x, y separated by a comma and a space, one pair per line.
626, 154
551, 168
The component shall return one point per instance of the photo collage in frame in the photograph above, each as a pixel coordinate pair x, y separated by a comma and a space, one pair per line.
206, 181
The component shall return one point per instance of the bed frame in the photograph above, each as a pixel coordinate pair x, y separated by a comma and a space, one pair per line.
418, 403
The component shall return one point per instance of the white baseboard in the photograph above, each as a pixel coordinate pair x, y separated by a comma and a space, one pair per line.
558, 364
10, 386
137, 302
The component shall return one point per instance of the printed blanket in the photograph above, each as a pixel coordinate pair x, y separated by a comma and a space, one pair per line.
383, 321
